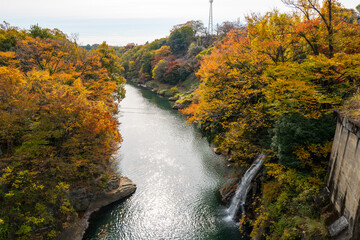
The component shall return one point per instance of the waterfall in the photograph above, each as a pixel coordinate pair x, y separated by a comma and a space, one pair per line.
241, 191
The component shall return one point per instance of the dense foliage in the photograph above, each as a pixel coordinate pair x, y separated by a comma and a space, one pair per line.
274, 85
57, 127
173, 60
270, 85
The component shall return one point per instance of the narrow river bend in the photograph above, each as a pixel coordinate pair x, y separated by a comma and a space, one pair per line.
176, 173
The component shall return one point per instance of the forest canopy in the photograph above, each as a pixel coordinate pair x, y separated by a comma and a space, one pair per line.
58, 129
273, 86
270, 85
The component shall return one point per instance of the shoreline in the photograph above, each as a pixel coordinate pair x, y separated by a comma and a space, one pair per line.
78, 228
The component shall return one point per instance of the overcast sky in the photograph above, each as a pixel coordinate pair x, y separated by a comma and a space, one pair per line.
122, 21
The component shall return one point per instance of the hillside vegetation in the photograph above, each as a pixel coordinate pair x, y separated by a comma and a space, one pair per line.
57, 127
168, 65
270, 85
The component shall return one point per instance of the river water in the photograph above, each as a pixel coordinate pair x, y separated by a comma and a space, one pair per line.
176, 173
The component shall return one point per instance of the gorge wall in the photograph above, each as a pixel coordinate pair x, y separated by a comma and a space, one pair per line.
344, 173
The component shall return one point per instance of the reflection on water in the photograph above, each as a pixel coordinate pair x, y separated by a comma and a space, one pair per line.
176, 173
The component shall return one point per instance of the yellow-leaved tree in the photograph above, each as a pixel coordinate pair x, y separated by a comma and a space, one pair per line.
228, 102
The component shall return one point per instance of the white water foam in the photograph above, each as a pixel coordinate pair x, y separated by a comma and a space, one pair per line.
238, 201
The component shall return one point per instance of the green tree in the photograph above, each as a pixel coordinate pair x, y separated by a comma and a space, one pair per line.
37, 31
8, 37
180, 39
145, 69
294, 130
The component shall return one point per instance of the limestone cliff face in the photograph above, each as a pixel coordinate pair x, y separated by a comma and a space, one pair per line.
83, 201
344, 173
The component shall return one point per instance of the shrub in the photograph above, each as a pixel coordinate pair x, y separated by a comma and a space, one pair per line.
174, 91
295, 130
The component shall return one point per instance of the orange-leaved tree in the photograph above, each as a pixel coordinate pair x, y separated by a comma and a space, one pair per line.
229, 100
58, 129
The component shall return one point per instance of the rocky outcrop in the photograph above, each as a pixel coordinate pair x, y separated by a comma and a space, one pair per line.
182, 103
85, 203
217, 151
228, 189
255, 191
125, 188
174, 98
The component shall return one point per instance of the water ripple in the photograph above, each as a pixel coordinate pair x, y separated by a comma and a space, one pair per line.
177, 176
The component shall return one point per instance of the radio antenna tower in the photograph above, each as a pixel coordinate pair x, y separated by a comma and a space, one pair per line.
211, 23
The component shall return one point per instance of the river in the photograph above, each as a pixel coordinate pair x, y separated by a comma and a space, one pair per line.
177, 176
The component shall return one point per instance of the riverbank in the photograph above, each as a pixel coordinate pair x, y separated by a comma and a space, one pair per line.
182, 99
177, 176
117, 189
179, 95
228, 189
262, 192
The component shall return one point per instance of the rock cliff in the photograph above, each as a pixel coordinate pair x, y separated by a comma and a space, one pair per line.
85, 202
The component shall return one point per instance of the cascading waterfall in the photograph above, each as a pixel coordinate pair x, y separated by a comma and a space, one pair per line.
242, 190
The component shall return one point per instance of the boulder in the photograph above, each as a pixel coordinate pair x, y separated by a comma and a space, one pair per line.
217, 151
338, 226
161, 92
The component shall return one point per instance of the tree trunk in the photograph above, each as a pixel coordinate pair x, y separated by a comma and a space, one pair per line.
330, 30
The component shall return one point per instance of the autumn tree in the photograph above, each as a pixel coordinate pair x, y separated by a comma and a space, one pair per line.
58, 129
324, 12
227, 101
145, 70
159, 70
111, 63
160, 54
271, 34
